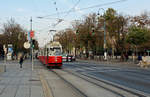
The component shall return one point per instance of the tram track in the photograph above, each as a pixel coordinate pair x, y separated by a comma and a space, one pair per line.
115, 88
87, 80
70, 84
48, 86
131, 91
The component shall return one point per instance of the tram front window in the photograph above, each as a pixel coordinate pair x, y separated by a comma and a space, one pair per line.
57, 52
54, 51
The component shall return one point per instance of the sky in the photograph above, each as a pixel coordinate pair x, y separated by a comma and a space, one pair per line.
50, 10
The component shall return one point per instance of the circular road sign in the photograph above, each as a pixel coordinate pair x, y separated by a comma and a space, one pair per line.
26, 45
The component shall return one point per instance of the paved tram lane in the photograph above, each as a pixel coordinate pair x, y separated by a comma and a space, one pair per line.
133, 78
63, 84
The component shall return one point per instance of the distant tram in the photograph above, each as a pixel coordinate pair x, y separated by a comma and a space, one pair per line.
51, 54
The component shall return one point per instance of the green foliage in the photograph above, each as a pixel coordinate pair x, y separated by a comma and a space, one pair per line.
111, 21
110, 14
138, 36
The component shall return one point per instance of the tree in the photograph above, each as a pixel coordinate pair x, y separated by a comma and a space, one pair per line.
141, 21
14, 34
66, 38
86, 36
1, 44
122, 33
138, 36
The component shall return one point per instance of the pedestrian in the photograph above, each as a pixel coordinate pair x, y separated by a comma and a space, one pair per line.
126, 56
139, 59
21, 61
144, 61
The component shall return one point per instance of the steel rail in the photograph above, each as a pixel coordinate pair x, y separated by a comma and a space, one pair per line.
94, 83
70, 84
65, 81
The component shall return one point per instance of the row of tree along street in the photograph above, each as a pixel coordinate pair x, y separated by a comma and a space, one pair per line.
12, 33
124, 34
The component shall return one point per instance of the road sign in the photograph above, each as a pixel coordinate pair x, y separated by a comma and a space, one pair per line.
31, 34
26, 45
10, 50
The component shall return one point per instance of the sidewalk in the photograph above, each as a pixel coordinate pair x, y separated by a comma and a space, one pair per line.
17, 82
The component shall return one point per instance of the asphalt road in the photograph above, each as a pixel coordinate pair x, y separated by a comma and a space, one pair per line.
133, 78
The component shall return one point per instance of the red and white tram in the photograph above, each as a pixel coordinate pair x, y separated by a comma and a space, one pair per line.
51, 54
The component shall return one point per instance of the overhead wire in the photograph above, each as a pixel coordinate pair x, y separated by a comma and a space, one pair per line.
73, 8
61, 20
56, 8
94, 6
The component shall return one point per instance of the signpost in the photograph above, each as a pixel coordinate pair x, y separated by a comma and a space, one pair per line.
31, 36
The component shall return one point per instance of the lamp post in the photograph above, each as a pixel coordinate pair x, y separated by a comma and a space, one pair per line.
105, 52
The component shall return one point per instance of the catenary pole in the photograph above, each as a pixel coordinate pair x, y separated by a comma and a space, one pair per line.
31, 47
104, 26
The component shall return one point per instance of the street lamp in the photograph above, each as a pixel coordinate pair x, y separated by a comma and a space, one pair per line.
105, 52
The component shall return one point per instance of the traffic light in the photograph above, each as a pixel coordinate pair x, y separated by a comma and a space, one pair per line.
77, 32
93, 31
33, 43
